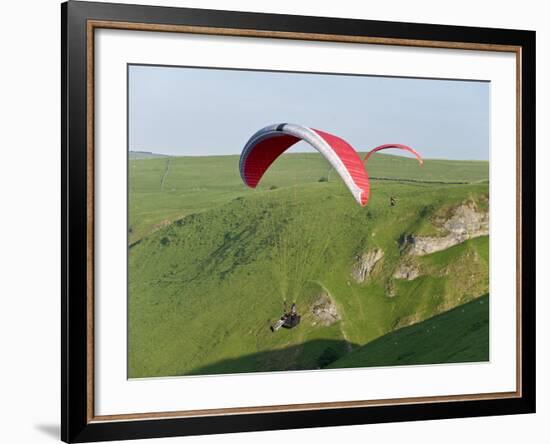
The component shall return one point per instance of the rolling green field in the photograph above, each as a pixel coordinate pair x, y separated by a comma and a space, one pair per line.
165, 189
211, 263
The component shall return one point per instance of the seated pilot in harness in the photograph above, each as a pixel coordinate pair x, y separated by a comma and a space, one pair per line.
289, 319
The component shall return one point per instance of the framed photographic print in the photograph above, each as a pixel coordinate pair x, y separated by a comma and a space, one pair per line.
275, 221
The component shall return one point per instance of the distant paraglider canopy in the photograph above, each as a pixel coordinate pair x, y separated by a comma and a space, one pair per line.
266, 145
397, 146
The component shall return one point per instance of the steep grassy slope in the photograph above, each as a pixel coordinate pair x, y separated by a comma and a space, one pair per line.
203, 289
458, 335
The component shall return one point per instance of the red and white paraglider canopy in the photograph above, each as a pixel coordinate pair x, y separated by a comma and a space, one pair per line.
270, 142
394, 145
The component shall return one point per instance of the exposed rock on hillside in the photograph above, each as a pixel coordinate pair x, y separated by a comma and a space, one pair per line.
364, 264
466, 222
390, 289
324, 311
406, 271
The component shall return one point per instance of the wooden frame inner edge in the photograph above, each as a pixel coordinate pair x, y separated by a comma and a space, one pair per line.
94, 24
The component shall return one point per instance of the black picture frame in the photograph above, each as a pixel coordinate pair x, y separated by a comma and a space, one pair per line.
77, 425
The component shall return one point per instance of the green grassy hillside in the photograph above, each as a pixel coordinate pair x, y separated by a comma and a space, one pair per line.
203, 289
164, 189
458, 335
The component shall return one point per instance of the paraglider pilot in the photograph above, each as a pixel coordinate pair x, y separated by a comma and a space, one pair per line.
289, 319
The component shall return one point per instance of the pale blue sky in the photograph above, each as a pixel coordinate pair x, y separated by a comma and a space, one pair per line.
190, 111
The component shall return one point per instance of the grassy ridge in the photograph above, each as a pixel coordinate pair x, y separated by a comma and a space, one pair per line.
203, 290
141, 155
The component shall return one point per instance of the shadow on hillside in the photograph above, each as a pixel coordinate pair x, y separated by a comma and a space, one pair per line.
459, 335
310, 355
455, 336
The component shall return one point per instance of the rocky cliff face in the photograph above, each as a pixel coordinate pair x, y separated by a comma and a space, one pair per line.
466, 222
364, 264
